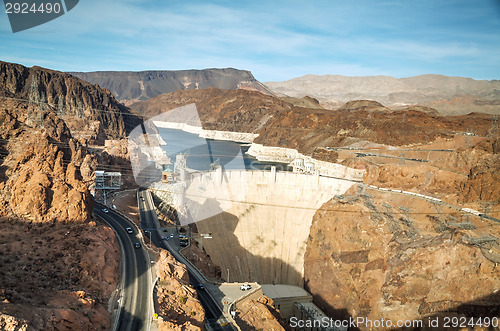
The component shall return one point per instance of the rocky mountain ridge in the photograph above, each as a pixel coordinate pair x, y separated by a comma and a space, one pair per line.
89, 111
133, 86
449, 95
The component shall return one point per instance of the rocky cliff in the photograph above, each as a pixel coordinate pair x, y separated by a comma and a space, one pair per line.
59, 266
129, 86
89, 111
386, 256
41, 178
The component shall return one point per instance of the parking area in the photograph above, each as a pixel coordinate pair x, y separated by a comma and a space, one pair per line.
230, 292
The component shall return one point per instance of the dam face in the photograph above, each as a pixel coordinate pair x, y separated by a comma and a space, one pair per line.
259, 220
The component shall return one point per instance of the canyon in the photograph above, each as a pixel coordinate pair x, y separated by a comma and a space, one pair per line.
359, 249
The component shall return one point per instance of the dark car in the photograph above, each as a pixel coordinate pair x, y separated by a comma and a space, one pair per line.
137, 245
201, 287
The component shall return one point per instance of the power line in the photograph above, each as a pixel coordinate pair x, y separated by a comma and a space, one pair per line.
323, 209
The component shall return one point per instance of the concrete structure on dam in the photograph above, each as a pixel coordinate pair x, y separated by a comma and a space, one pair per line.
259, 220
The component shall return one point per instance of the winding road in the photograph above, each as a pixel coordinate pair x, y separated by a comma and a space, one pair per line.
149, 223
134, 312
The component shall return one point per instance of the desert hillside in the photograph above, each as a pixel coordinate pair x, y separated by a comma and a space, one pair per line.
449, 95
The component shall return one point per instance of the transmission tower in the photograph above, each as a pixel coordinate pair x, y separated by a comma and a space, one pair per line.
41, 109
34, 97
60, 106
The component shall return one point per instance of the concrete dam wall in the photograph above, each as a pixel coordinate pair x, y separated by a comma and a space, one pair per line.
259, 220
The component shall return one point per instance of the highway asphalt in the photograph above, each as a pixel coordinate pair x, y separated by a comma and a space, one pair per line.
135, 312
213, 313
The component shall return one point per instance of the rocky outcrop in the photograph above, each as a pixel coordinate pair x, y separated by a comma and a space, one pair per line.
366, 105
177, 300
102, 116
43, 181
130, 86
482, 183
377, 256
258, 315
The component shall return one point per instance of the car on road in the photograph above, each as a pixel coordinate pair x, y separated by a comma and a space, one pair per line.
201, 287
245, 287
129, 230
105, 210
171, 235
137, 245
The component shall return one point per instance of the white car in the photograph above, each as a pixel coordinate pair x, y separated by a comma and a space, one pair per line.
105, 210
129, 230
245, 287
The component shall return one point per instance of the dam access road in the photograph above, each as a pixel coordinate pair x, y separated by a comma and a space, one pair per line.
134, 311
215, 318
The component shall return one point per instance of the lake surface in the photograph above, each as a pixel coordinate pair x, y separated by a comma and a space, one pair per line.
203, 152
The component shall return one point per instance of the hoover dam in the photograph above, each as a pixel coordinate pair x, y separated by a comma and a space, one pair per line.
259, 220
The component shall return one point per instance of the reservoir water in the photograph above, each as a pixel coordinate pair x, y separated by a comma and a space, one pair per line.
203, 152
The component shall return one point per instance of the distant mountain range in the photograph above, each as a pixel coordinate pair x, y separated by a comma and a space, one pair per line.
133, 86
449, 95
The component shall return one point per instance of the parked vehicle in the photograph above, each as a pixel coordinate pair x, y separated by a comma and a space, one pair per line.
245, 287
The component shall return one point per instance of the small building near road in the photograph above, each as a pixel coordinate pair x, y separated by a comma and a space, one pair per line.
285, 296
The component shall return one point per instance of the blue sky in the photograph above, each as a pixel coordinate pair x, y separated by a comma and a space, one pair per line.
276, 40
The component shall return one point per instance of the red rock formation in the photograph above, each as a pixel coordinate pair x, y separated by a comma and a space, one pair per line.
366, 257
177, 300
